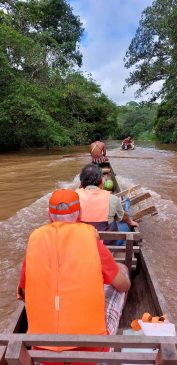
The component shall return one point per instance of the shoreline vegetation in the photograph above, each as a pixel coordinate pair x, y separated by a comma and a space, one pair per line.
46, 101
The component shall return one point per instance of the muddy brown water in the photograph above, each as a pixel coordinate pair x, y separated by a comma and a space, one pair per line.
27, 180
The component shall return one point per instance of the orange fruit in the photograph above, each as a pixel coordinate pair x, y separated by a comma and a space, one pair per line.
135, 325
146, 317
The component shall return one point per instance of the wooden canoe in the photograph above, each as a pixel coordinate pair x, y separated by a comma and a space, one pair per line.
144, 295
16, 346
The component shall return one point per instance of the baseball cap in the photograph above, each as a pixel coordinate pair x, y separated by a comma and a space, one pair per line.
64, 201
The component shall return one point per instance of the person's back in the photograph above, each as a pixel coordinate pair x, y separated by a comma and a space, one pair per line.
63, 260
67, 305
98, 150
98, 206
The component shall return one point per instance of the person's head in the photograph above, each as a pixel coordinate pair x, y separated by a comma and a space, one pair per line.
91, 174
97, 137
129, 138
64, 206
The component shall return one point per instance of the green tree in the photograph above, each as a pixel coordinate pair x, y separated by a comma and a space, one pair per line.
136, 120
150, 49
43, 100
41, 33
153, 53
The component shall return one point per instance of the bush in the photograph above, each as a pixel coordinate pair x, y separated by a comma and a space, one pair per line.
24, 123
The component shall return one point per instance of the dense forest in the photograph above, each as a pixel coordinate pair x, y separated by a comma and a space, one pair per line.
153, 55
46, 101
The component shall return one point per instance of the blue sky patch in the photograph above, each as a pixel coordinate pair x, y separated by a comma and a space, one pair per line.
109, 27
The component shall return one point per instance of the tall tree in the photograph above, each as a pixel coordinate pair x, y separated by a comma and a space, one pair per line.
153, 53
40, 34
150, 50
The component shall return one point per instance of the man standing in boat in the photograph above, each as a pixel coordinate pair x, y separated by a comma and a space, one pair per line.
99, 207
98, 150
63, 260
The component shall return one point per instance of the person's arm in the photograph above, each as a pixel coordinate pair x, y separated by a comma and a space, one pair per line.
116, 207
104, 150
121, 281
113, 274
21, 284
129, 221
122, 215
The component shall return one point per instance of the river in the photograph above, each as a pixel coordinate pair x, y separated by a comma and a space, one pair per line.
27, 180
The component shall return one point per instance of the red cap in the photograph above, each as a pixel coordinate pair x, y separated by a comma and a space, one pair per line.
64, 201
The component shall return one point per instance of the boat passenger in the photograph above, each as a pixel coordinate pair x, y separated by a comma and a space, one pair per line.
98, 150
99, 207
63, 259
128, 144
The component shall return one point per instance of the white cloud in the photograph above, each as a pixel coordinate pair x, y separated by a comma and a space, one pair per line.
110, 26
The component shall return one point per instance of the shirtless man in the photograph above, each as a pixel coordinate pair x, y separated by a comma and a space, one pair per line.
128, 144
98, 150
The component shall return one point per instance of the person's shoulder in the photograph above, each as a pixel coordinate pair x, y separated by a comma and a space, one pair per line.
40, 230
88, 227
115, 199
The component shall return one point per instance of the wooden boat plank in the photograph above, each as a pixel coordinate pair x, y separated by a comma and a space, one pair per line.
129, 254
116, 184
125, 192
88, 340
17, 354
119, 249
104, 235
2, 355
123, 261
138, 198
145, 211
18, 318
159, 300
83, 356
166, 355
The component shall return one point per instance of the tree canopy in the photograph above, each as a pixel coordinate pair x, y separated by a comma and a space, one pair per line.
44, 101
153, 54
136, 120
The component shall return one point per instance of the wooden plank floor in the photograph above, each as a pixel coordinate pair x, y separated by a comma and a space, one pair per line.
139, 301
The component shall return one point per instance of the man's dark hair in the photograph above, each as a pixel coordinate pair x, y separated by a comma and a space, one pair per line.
97, 137
91, 174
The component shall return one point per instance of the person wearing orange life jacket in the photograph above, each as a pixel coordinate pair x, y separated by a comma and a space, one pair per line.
99, 207
63, 301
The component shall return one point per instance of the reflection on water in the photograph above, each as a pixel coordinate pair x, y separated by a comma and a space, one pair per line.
26, 181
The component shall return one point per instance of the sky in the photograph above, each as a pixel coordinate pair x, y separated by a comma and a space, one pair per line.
109, 27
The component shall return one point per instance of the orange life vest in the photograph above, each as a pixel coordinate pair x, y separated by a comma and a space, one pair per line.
62, 263
94, 204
